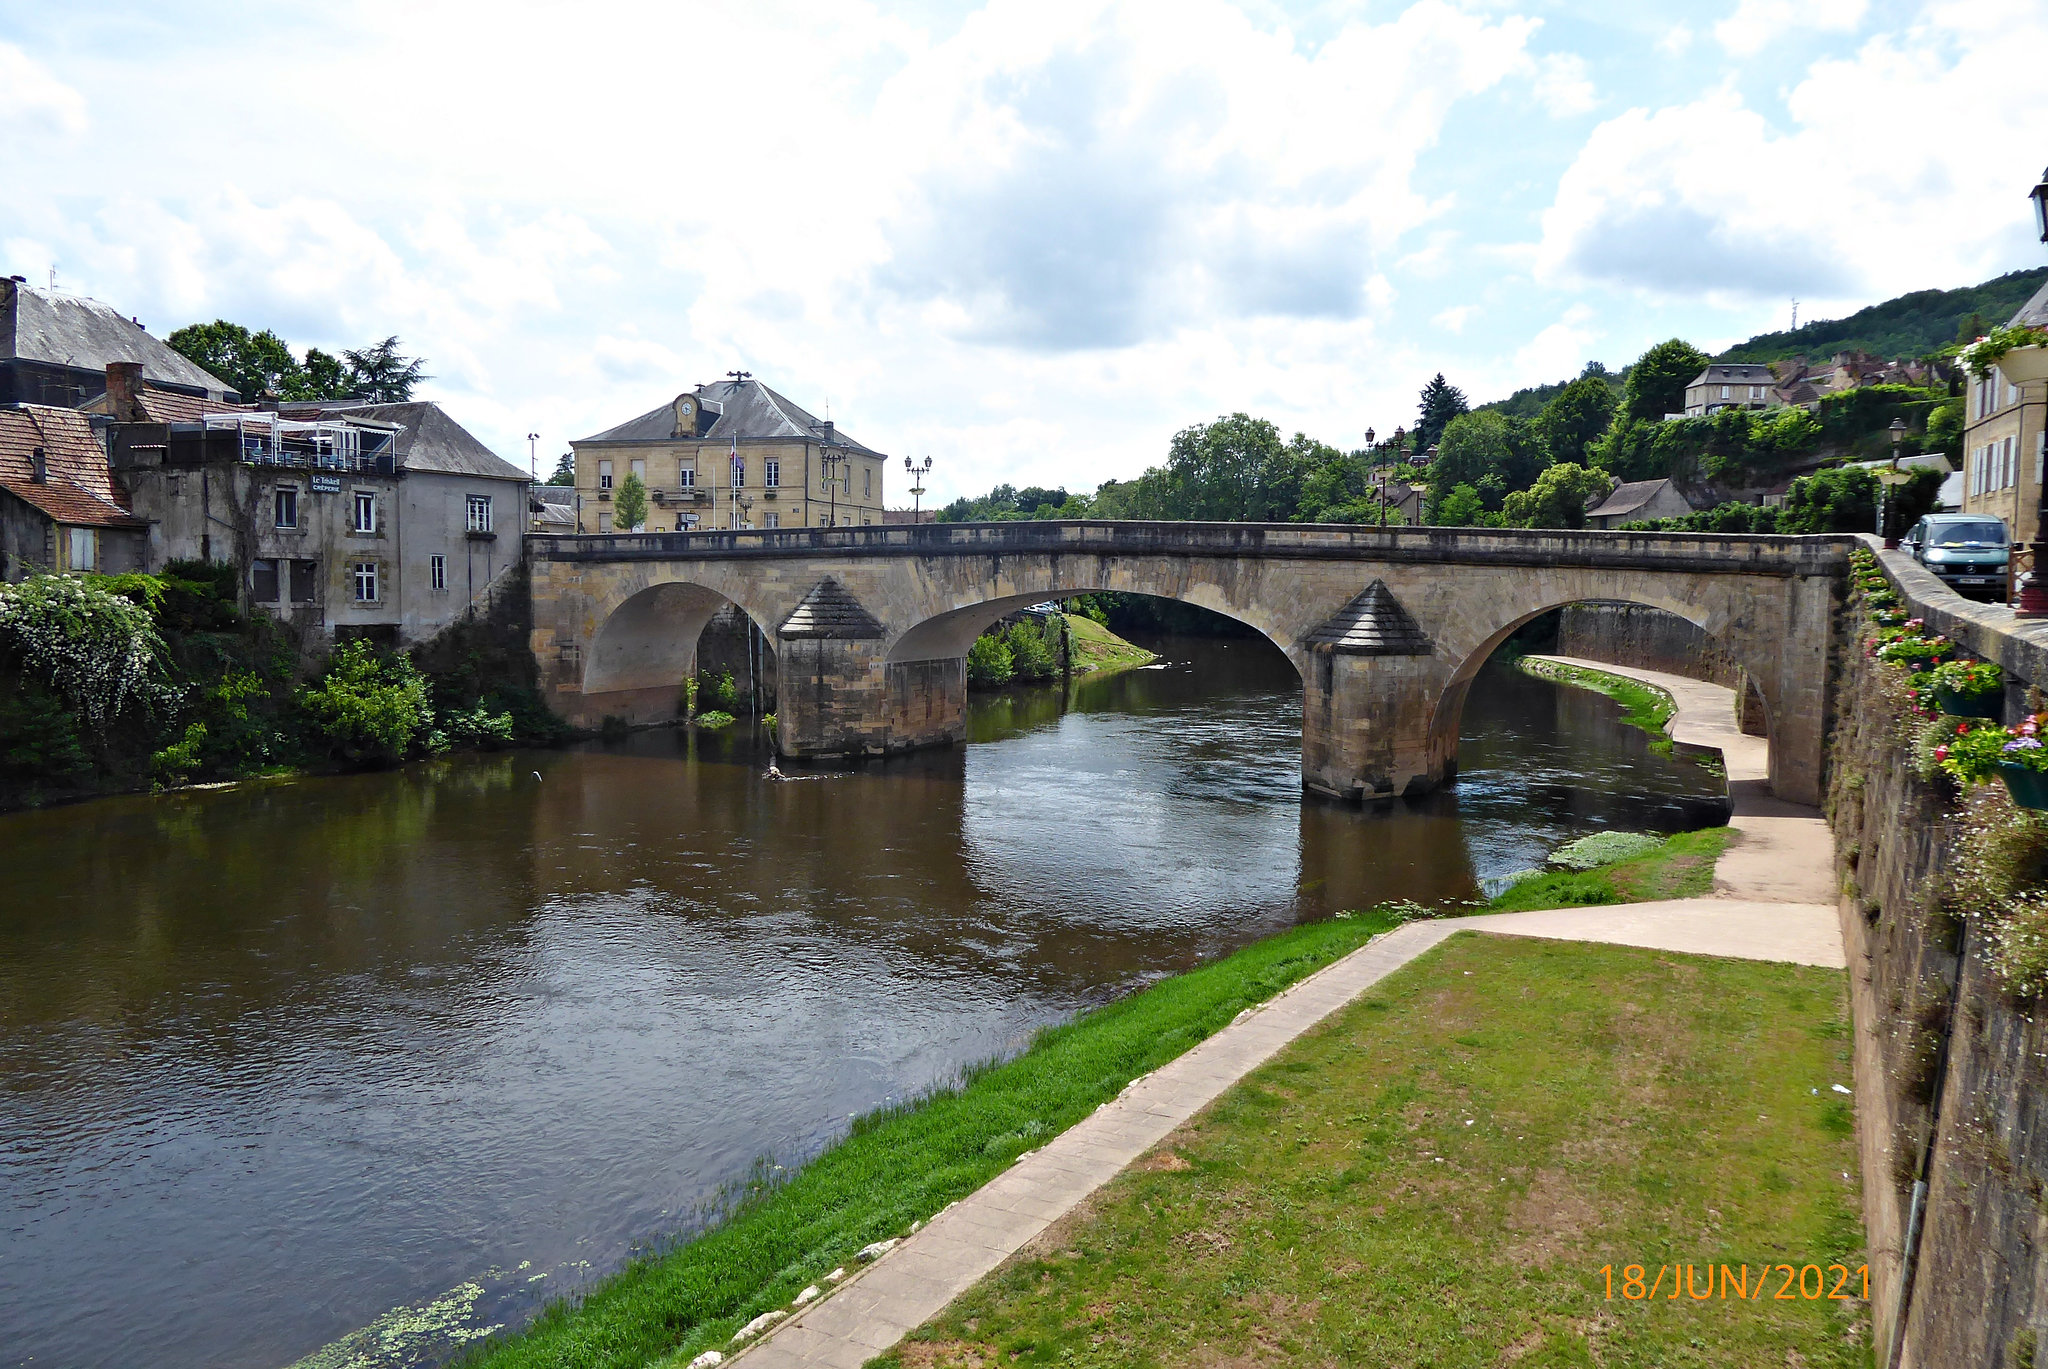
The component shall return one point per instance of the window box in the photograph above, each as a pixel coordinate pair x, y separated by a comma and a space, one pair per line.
2025, 365
475, 536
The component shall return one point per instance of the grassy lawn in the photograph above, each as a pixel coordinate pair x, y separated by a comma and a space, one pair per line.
1438, 1174
905, 1164
1097, 648
1683, 868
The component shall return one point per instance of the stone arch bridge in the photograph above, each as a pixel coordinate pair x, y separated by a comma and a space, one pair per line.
1387, 626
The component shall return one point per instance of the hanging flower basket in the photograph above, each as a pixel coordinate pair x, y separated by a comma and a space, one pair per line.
1968, 705
2028, 786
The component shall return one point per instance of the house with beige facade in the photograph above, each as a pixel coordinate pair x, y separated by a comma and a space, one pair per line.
733, 454
1729, 385
2005, 440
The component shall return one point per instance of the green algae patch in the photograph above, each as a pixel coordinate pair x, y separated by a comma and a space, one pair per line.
1675, 867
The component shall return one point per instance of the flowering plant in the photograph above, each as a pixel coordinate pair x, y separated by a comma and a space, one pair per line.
1910, 648
2022, 746
1980, 356
96, 648
1969, 679
1972, 754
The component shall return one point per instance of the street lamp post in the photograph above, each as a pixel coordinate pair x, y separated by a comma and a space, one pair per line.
917, 475
1888, 480
830, 457
2033, 595
533, 453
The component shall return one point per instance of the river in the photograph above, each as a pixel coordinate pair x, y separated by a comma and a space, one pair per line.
280, 1058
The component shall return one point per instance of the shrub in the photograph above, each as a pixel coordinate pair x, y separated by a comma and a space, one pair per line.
1030, 658
477, 727
714, 718
370, 711
989, 662
98, 650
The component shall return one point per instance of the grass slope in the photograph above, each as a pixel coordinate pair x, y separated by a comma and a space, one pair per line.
1642, 705
905, 1164
1438, 1175
1096, 648
1683, 867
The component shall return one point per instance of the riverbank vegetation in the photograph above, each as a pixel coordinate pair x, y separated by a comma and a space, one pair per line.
1643, 705
1036, 649
113, 683
1470, 1165
902, 1164
1680, 866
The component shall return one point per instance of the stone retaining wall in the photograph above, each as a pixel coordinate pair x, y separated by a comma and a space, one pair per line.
1979, 1297
1651, 639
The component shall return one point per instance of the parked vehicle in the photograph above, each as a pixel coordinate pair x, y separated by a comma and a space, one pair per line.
1967, 550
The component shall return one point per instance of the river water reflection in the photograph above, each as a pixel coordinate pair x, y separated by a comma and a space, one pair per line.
279, 1058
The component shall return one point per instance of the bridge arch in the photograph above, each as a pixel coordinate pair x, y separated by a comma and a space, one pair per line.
644, 646
948, 634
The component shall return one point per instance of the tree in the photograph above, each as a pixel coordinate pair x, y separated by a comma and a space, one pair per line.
1578, 415
629, 505
382, 374
1462, 507
321, 377
1488, 451
1558, 499
1656, 383
565, 470
1233, 470
1441, 402
253, 363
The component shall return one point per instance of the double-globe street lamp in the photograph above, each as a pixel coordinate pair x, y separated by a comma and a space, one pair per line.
917, 475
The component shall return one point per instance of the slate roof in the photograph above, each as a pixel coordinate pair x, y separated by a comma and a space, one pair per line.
830, 611
1627, 497
429, 440
62, 329
1741, 373
172, 406
1373, 624
2035, 311
81, 489
555, 505
747, 411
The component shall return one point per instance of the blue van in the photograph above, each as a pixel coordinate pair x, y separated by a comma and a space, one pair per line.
1967, 550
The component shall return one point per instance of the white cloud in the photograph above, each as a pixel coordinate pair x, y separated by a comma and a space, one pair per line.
1453, 319
1756, 24
1562, 349
1676, 41
1712, 200
33, 101
1562, 85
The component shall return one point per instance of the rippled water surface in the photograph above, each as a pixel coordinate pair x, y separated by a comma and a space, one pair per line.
279, 1059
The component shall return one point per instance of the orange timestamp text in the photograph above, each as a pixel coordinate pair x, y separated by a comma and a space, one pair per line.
1746, 1283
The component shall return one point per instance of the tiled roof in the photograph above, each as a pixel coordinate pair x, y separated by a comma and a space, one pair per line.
76, 330
1373, 624
830, 611
80, 489
172, 406
1627, 497
747, 411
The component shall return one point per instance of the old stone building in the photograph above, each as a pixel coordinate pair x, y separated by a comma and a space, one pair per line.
60, 509
1729, 385
55, 348
345, 518
734, 454
1638, 501
2005, 440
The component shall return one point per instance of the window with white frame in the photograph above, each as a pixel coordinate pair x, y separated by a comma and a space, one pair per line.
479, 506
733, 519
771, 520
639, 468
867, 483
604, 475
363, 575
1724, 392
364, 518
771, 473
437, 568
604, 522
84, 548
686, 477
285, 506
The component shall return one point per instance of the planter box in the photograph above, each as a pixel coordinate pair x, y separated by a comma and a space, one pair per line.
2029, 788
1990, 706
2024, 365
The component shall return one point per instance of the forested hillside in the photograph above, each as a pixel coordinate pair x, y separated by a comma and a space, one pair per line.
1913, 325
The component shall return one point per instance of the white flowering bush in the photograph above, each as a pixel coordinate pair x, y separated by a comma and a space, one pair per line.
2017, 943
98, 650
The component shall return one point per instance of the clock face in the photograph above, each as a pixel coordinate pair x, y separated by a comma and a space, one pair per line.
686, 406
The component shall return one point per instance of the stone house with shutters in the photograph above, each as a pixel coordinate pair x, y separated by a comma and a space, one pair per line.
60, 507
346, 519
2005, 439
734, 454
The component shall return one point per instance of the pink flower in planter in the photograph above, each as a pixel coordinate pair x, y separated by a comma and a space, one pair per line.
1941, 753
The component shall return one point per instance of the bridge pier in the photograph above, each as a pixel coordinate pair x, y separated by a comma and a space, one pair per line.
1365, 726
841, 698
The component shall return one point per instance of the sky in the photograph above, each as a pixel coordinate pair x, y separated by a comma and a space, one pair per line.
1030, 239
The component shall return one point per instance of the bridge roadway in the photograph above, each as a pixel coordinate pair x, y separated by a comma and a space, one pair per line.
1387, 626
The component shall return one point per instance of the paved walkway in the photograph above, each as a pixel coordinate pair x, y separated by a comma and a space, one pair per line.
1772, 901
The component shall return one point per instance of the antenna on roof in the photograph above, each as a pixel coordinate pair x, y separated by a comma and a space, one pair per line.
53, 275
740, 377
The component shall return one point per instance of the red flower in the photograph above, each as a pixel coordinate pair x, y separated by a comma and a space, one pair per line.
1962, 729
1941, 753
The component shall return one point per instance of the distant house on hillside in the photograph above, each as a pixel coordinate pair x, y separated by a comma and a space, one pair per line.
1795, 380
55, 349
1638, 501
1729, 385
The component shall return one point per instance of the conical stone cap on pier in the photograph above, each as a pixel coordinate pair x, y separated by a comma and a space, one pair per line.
830, 611
1373, 624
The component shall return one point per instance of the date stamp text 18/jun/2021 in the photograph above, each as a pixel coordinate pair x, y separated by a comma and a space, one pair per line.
1746, 1283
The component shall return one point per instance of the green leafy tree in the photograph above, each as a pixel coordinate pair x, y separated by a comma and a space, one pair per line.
321, 376
1233, 470
1461, 507
565, 470
382, 374
1441, 402
1577, 416
989, 662
254, 363
1490, 452
370, 711
629, 504
1558, 499
1656, 383
1031, 658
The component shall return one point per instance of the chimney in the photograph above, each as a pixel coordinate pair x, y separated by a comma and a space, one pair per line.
40, 466
124, 392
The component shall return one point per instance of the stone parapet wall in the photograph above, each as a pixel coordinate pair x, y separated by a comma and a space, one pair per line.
1651, 639
1979, 1297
